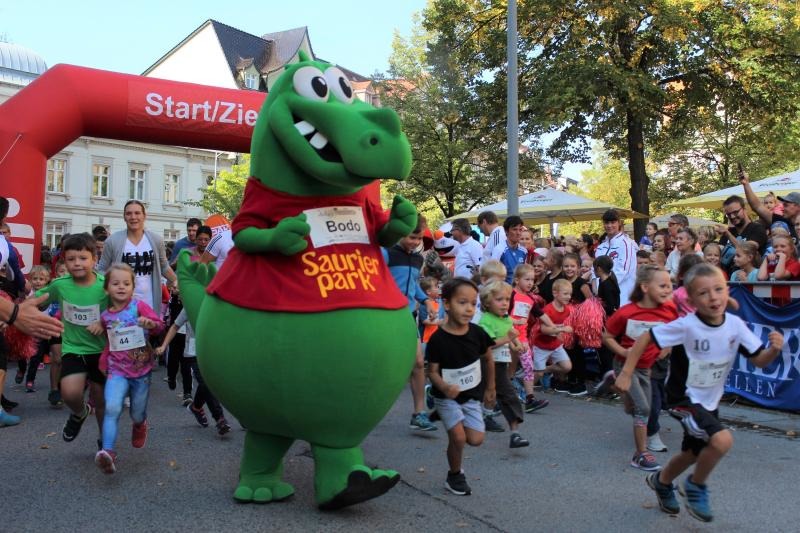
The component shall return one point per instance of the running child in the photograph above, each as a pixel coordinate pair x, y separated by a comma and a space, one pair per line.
455, 353
81, 298
549, 356
649, 305
521, 308
495, 299
127, 360
203, 394
712, 340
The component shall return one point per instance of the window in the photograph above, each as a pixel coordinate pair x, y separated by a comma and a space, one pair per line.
136, 184
100, 179
171, 188
250, 80
172, 235
53, 231
56, 174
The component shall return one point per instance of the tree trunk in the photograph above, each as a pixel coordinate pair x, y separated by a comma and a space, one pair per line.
639, 180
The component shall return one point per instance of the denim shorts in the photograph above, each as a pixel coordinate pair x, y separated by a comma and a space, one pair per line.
453, 413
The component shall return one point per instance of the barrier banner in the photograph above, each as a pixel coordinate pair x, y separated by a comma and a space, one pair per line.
777, 385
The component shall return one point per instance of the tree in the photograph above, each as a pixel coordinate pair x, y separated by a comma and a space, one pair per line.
614, 71
458, 147
224, 195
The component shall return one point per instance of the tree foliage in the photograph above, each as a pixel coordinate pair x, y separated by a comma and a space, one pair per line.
639, 74
457, 140
224, 195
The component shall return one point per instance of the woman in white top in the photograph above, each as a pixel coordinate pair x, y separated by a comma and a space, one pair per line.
685, 241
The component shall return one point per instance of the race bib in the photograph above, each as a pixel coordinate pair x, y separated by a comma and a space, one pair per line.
128, 338
704, 374
466, 378
501, 354
337, 225
636, 328
521, 309
81, 315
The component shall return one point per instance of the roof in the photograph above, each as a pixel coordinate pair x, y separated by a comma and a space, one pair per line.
19, 65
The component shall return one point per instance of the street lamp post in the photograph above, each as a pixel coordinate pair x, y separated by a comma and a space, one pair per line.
512, 134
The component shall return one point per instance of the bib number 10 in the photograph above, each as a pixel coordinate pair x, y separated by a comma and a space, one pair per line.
701, 345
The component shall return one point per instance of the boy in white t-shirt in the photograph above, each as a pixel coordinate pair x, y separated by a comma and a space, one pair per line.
711, 340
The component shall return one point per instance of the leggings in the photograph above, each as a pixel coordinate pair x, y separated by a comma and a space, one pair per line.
203, 394
526, 359
506, 394
176, 359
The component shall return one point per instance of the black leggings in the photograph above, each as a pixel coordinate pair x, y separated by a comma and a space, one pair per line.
203, 394
176, 359
578, 372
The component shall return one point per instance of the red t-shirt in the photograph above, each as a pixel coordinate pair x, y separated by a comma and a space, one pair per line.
342, 267
551, 342
792, 267
632, 320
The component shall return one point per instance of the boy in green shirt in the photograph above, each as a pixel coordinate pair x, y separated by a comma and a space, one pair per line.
82, 299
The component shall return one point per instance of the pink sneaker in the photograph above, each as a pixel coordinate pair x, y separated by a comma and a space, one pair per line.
139, 435
106, 461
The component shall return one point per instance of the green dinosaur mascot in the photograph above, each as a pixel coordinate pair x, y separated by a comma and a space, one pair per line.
302, 333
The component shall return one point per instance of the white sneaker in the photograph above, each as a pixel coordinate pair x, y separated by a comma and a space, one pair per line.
655, 444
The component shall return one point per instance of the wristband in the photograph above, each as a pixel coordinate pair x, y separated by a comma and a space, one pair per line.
13, 316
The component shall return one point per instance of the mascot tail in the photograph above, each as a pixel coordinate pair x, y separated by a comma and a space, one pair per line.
193, 278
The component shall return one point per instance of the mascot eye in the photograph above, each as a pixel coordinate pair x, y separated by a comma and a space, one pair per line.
311, 83
339, 84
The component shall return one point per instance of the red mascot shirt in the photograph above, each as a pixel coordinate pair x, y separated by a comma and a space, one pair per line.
342, 267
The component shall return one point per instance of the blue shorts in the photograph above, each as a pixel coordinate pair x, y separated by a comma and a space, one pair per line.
453, 413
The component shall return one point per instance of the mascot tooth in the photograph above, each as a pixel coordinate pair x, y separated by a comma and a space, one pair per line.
302, 333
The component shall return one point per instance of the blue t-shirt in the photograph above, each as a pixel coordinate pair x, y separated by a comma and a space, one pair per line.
511, 259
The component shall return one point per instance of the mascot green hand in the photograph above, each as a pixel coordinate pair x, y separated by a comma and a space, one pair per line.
302, 333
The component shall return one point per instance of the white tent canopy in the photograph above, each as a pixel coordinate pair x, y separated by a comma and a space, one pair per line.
551, 205
780, 185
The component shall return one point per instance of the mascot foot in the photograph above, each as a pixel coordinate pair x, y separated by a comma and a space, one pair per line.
341, 479
262, 489
262, 468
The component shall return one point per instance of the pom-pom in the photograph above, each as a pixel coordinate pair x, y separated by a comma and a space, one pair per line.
20, 346
587, 322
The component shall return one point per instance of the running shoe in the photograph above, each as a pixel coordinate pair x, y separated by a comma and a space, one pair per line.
695, 497
686, 417
41, 366
199, 415
457, 484
604, 387
665, 494
421, 422
7, 404
106, 461
139, 435
73, 425
19, 377
223, 427
645, 461
8, 419
187, 399
533, 404
492, 425
561, 386
516, 441
578, 389
655, 444
29, 387
54, 397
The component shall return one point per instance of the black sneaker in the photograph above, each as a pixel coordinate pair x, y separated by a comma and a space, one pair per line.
561, 386
73, 425
534, 404
492, 425
578, 389
457, 484
517, 441
54, 397
187, 399
7, 404
199, 415
223, 427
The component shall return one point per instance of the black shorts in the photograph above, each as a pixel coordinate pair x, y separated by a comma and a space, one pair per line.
88, 364
699, 425
3, 352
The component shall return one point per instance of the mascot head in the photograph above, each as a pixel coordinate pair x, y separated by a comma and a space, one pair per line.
314, 137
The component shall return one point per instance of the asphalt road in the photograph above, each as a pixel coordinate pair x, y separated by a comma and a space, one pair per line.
574, 477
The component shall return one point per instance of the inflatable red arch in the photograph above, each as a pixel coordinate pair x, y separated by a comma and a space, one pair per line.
67, 102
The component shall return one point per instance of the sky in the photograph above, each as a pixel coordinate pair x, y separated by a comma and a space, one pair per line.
130, 36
